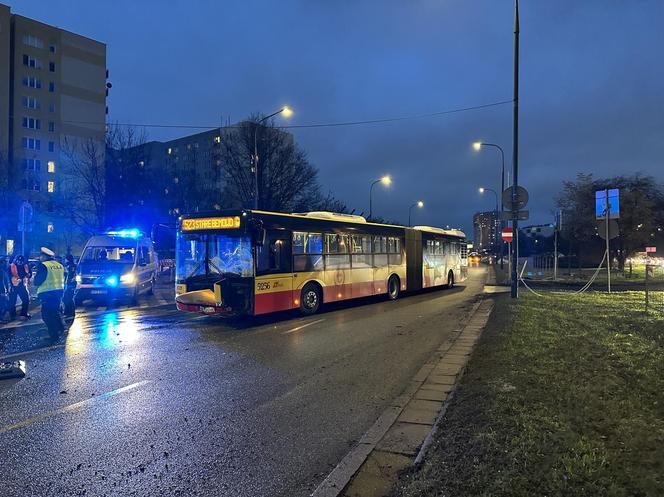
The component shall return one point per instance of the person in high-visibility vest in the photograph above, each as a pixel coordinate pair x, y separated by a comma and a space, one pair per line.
50, 283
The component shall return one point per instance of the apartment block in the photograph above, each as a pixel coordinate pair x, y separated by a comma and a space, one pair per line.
486, 228
52, 114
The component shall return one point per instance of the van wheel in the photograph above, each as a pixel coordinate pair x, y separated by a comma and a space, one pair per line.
134, 296
310, 299
450, 280
393, 287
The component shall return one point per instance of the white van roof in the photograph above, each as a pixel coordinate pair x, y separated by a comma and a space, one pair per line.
113, 241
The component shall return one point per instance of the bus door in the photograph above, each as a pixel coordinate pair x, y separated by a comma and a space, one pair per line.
380, 264
273, 287
338, 283
362, 266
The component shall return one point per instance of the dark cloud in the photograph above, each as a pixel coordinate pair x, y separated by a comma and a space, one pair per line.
591, 86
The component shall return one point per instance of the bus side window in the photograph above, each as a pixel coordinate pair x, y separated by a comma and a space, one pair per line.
275, 255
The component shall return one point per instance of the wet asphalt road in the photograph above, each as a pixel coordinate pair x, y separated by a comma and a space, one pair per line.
151, 401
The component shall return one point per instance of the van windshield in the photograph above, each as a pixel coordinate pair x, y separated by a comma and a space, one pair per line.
109, 254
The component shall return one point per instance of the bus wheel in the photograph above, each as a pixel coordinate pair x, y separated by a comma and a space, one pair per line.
393, 287
450, 279
310, 299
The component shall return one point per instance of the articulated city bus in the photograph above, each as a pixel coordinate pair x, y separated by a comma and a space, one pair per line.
250, 262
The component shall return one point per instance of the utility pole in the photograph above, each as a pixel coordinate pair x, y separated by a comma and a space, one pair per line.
515, 155
607, 214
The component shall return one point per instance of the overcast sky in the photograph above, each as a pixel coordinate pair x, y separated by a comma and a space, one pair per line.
592, 86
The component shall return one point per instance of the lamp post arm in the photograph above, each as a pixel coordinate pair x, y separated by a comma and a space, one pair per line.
370, 198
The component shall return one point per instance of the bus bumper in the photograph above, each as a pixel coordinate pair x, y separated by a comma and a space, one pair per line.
202, 302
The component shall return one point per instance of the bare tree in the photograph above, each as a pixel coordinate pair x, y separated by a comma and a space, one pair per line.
81, 196
286, 179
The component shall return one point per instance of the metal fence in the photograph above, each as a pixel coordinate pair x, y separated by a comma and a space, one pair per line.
654, 288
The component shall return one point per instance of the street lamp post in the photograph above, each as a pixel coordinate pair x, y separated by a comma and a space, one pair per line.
482, 190
419, 204
478, 146
287, 112
386, 180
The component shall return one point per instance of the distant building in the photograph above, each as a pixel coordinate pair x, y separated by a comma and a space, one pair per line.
52, 90
486, 229
158, 181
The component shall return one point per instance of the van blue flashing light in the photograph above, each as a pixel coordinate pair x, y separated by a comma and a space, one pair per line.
133, 233
112, 281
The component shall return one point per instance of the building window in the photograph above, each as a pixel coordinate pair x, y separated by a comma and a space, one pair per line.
51, 66
31, 122
217, 139
51, 48
30, 61
49, 228
31, 143
51, 126
51, 86
50, 166
33, 41
35, 186
169, 150
32, 82
30, 102
51, 107
32, 164
51, 186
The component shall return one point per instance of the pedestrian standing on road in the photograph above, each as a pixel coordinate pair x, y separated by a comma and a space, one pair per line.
19, 272
70, 287
5, 288
50, 283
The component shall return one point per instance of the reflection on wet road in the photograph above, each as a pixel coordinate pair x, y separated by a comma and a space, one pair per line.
149, 401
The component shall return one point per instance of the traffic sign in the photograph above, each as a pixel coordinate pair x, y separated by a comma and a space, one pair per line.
651, 250
509, 215
613, 228
24, 216
507, 234
601, 203
521, 198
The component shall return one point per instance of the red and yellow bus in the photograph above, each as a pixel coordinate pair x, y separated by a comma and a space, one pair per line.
250, 262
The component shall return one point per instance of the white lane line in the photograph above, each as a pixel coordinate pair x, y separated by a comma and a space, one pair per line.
71, 407
300, 327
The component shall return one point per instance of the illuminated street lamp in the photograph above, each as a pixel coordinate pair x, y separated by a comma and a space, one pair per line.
385, 180
478, 146
419, 204
286, 112
482, 190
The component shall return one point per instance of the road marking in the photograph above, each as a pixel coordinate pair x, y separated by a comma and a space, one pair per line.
300, 327
71, 407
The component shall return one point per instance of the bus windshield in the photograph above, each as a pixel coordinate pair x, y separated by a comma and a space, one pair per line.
210, 254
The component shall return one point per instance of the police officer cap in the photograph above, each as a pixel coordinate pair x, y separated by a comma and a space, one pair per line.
47, 251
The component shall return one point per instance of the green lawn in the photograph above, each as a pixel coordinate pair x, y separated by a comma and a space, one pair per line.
564, 396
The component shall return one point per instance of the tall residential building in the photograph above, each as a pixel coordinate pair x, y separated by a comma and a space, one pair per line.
486, 227
52, 115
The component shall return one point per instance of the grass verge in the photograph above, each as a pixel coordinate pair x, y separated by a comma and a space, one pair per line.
564, 395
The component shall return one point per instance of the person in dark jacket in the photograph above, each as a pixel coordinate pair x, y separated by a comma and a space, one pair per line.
5, 288
19, 273
50, 283
70, 287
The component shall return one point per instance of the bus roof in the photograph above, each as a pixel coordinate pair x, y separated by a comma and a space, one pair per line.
325, 216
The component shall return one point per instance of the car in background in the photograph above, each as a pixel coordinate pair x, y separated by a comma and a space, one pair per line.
474, 258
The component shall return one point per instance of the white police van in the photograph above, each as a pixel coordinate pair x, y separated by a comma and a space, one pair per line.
116, 264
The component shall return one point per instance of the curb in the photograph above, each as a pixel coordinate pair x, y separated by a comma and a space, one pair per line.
403, 432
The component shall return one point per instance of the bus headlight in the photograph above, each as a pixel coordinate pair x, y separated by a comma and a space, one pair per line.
127, 278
